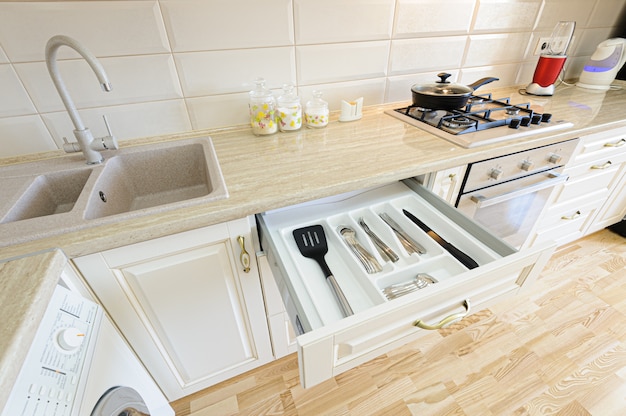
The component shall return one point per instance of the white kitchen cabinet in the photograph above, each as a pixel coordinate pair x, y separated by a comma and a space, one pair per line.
594, 196
330, 343
187, 304
446, 183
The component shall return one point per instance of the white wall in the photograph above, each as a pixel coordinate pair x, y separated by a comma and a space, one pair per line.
179, 65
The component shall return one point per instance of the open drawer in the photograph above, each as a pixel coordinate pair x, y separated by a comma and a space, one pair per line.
329, 342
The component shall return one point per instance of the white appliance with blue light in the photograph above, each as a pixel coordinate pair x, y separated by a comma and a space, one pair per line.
603, 66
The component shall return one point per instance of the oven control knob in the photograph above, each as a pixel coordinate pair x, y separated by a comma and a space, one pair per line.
527, 165
495, 173
69, 339
554, 158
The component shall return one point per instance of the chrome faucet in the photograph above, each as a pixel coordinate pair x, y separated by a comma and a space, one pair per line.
89, 145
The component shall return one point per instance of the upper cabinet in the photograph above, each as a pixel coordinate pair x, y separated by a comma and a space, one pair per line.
190, 304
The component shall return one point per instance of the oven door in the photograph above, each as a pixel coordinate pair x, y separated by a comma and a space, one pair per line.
511, 209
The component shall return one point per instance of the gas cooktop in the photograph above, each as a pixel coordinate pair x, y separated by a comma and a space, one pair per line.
482, 121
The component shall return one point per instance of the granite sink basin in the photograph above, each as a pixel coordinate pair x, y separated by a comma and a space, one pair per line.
64, 194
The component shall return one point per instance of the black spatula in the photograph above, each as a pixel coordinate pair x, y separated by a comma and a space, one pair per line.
312, 244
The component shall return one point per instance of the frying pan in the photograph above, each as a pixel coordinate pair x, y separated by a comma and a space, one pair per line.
444, 95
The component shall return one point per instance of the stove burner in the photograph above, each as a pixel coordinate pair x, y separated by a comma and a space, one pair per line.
512, 111
456, 122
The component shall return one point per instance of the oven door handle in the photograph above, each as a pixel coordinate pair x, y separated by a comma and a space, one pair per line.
555, 179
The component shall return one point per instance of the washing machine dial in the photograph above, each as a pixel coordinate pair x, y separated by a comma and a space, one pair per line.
69, 339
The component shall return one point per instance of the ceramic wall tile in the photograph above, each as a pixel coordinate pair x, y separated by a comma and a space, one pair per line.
426, 54
505, 73
606, 13
432, 18
15, 100
106, 28
23, 135
589, 40
3, 57
127, 121
496, 49
223, 72
564, 10
506, 15
399, 87
325, 21
218, 110
133, 79
372, 91
341, 62
199, 25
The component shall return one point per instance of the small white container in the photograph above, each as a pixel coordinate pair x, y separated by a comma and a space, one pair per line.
316, 112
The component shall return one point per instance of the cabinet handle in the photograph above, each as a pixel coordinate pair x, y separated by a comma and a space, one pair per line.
571, 217
447, 320
604, 166
244, 257
619, 143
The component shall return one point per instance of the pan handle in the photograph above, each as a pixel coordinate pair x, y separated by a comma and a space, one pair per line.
481, 82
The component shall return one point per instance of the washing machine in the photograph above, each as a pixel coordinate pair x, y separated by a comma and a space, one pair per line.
80, 365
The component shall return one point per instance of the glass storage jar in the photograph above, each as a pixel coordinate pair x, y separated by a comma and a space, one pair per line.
262, 109
289, 110
316, 112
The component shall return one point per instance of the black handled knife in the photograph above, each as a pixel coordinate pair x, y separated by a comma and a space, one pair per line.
458, 254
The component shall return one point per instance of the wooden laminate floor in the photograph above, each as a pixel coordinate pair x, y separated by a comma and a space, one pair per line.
560, 350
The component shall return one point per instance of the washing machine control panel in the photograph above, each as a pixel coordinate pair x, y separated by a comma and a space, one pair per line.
50, 381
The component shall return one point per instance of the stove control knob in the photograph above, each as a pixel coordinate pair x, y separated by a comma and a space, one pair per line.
546, 117
554, 158
515, 123
495, 173
527, 165
525, 121
69, 339
536, 119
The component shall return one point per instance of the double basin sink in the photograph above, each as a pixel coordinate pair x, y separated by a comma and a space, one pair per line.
54, 196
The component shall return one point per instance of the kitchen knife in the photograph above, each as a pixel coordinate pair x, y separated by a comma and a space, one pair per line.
458, 254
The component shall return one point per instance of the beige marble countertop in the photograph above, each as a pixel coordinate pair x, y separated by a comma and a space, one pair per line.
269, 172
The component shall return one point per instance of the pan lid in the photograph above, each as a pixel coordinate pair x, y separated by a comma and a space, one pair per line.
442, 87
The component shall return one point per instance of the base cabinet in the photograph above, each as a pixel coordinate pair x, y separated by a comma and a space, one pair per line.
594, 197
187, 303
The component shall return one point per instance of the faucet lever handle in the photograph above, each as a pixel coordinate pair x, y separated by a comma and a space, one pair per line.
106, 123
70, 147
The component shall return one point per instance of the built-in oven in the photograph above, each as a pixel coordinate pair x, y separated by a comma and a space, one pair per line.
507, 194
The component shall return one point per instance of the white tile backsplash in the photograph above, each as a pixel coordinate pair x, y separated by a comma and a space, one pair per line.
426, 54
23, 135
14, 101
433, 18
106, 28
178, 65
200, 25
496, 49
316, 64
127, 121
232, 71
133, 79
327, 21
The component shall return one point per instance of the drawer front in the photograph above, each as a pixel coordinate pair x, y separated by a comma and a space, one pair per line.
606, 144
330, 343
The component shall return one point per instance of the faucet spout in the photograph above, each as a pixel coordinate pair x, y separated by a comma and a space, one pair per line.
82, 133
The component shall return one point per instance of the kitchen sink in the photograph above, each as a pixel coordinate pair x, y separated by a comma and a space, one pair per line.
63, 194
50, 194
148, 179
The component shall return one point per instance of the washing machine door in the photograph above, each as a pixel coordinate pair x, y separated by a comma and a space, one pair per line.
120, 401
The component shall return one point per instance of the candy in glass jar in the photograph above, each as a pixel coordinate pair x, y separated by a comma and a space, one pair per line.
289, 110
316, 112
262, 109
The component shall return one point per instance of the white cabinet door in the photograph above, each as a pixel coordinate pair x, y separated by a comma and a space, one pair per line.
186, 305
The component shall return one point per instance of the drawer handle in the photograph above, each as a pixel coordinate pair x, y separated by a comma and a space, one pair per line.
606, 165
447, 320
244, 257
619, 143
571, 217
